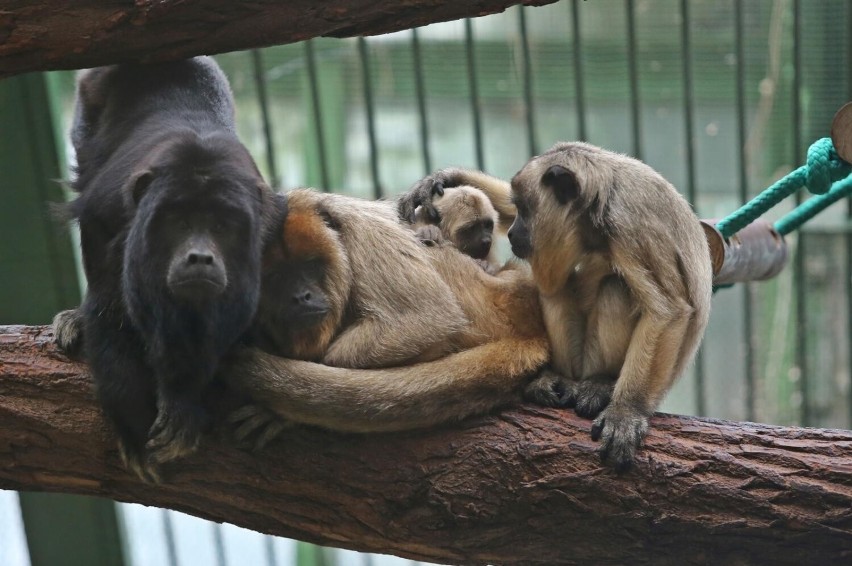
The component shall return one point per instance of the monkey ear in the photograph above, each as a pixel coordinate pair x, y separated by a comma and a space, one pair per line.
563, 182
137, 185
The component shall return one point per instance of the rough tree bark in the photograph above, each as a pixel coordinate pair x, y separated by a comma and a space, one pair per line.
521, 487
38, 35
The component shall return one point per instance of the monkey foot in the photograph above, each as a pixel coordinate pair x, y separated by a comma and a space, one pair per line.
429, 235
135, 461
550, 389
176, 432
592, 394
68, 332
620, 430
258, 422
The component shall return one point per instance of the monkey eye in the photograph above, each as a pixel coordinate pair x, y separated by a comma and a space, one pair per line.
488, 224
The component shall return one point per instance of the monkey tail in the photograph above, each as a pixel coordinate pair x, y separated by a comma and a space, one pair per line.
462, 384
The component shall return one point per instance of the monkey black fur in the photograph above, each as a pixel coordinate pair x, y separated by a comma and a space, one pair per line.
173, 214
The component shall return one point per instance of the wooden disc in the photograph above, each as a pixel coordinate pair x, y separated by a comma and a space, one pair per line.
841, 132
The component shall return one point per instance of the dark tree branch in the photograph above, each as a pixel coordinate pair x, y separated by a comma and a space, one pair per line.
39, 35
521, 487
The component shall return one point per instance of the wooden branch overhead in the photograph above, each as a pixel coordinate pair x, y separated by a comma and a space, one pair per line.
40, 35
521, 487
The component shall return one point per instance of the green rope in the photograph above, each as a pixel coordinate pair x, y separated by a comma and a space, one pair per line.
813, 206
823, 167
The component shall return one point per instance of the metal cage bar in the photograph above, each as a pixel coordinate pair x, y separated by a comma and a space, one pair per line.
799, 261
529, 107
475, 105
742, 173
633, 76
364, 55
313, 80
263, 100
420, 87
579, 87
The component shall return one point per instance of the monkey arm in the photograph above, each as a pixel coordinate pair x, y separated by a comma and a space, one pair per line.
672, 297
466, 383
382, 342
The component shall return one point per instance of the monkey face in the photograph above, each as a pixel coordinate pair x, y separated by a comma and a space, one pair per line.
519, 238
544, 193
475, 238
195, 230
295, 293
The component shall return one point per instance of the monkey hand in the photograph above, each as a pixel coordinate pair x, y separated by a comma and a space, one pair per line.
620, 429
429, 235
68, 332
177, 430
592, 395
258, 422
550, 389
422, 193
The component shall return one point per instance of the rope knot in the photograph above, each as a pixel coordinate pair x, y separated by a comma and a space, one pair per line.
824, 166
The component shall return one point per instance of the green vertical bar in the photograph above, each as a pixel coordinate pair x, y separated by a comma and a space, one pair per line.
800, 279
328, 89
748, 290
475, 102
577, 54
39, 277
308, 554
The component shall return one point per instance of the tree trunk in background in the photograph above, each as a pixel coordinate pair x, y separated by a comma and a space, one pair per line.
521, 487
39, 35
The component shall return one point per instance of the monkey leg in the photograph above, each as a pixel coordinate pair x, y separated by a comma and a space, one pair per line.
566, 327
124, 385
609, 328
182, 417
448, 389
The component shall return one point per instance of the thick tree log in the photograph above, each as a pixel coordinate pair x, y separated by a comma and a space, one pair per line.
521, 487
39, 35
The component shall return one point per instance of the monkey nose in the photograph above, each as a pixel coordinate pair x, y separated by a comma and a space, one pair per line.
197, 257
302, 298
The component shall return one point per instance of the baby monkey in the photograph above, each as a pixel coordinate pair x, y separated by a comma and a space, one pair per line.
465, 217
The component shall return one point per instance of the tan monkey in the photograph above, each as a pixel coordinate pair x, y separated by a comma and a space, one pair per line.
467, 219
624, 276
349, 286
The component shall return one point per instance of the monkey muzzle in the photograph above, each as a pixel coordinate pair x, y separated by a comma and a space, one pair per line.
197, 274
479, 250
